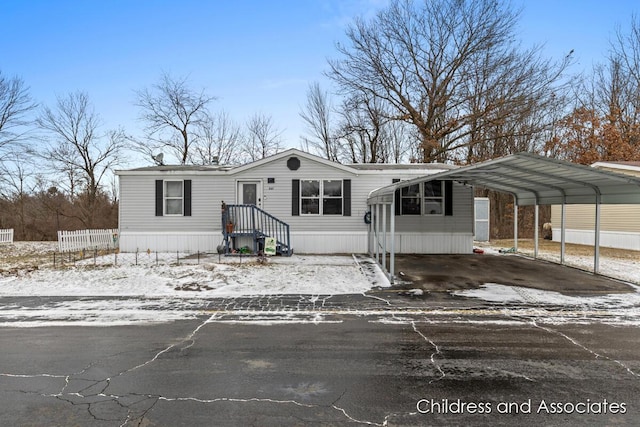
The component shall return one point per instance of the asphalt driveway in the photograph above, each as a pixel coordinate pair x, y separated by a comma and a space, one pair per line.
458, 272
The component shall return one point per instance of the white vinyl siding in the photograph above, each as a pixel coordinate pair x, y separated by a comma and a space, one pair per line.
137, 204
137, 201
461, 220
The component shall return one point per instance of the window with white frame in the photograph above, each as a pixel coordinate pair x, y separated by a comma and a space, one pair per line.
310, 197
173, 198
433, 198
321, 197
332, 197
410, 200
426, 198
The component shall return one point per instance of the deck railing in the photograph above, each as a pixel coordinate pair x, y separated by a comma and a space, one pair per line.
251, 221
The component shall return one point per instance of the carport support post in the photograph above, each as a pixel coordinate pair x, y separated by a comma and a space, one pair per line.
563, 218
596, 249
384, 237
392, 253
377, 239
535, 230
515, 223
369, 228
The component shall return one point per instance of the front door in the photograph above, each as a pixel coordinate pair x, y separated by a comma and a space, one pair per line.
250, 193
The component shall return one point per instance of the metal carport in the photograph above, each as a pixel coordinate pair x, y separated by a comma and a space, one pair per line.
531, 179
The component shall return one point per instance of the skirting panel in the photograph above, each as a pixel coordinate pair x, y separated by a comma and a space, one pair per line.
434, 243
329, 242
610, 239
356, 242
302, 242
169, 241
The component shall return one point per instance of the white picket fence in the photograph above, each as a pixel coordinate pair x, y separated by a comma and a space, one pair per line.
87, 239
6, 236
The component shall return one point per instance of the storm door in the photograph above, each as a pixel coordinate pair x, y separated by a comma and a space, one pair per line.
250, 193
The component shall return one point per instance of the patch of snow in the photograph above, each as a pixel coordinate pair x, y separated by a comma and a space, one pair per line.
626, 269
495, 292
306, 275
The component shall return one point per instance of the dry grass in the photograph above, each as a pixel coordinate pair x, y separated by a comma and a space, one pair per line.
26, 254
527, 245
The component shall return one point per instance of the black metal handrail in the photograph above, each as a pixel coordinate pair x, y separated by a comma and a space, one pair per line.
251, 221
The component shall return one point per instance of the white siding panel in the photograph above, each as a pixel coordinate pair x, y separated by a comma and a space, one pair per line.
189, 242
434, 243
329, 242
141, 229
610, 239
460, 222
137, 204
407, 243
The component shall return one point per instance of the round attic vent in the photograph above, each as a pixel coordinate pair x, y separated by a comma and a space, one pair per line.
293, 163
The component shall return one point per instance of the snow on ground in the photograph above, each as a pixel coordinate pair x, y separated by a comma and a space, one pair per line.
127, 289
495, 292
233, 277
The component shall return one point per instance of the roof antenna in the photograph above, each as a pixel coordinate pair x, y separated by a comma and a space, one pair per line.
158, 159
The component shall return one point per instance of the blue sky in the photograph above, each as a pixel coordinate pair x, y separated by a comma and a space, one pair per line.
254, 55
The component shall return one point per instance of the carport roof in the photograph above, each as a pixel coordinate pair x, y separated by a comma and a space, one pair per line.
533, 179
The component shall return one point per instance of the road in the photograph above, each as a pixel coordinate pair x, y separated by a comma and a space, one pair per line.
375, 359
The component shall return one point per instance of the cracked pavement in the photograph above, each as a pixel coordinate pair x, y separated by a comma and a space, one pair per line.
326, 360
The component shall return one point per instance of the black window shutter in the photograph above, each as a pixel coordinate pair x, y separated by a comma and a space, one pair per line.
159, 197
187, 197
346, 197
448, 198
295, 197
397, 198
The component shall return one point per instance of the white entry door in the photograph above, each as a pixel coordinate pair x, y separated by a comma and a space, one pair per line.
250, 193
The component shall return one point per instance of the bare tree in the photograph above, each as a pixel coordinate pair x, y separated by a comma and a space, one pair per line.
218, 141
362, 128
15, 105
420, 57
262, 139
605, 123
317, 116
77, 148
172, 112
617, 84
16, 177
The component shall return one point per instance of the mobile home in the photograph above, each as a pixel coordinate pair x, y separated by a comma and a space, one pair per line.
322, 205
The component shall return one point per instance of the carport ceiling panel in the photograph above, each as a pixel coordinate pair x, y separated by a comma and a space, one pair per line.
535, 179
551, 180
